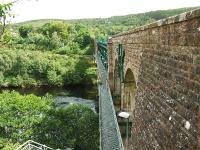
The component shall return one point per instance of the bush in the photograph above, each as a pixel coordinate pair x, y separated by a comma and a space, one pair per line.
54, 79
24, 30
23, 68
79, 128
39, 40
20, 114
57, 26
72, 49
10, 146
63, 50
55, 41
83, 37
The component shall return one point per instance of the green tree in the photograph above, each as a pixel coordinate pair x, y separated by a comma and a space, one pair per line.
20, 114
4, 14
24, 30
75, 127
83, 37
57, 26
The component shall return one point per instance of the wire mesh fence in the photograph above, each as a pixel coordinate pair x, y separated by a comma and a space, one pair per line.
109, 129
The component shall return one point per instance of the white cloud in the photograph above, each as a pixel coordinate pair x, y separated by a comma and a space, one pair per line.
73, 9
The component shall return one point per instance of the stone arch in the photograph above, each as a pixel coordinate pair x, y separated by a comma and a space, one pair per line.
129, 65
129, 91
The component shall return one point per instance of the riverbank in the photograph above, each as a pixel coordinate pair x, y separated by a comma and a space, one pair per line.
80, 94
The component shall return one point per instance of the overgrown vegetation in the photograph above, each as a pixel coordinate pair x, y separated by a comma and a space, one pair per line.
34, 68
31, 117
54, 54
57, 53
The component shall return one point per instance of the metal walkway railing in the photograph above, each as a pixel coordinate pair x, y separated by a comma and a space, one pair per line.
109, 130
32, 145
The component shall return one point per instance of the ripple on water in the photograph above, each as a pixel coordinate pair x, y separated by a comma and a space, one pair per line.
64, 101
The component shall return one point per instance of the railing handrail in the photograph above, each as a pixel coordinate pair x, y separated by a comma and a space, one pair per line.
34, 144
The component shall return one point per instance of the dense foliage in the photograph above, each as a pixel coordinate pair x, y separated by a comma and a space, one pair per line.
19, 114
34, 68
31, 117
54, 36
54, 54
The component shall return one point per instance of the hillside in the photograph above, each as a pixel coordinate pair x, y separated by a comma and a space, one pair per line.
132, 20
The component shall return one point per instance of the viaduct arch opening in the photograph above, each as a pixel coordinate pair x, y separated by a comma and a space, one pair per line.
128, 101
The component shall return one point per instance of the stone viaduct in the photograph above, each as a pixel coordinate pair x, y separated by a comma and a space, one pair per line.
161, 89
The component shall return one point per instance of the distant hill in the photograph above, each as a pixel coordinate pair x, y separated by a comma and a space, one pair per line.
132, 19
115, 24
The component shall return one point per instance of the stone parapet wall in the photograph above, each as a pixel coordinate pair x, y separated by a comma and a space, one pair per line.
165, 59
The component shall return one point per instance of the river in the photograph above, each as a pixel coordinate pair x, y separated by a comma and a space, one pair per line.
86, 95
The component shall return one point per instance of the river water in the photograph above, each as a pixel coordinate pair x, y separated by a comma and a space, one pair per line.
63, 97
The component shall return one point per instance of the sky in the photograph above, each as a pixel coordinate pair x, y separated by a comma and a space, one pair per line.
75, 9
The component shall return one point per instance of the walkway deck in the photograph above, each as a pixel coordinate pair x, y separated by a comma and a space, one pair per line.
109, 129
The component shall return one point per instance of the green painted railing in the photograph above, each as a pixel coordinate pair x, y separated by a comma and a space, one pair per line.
120, 64
103, 53
110, 136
